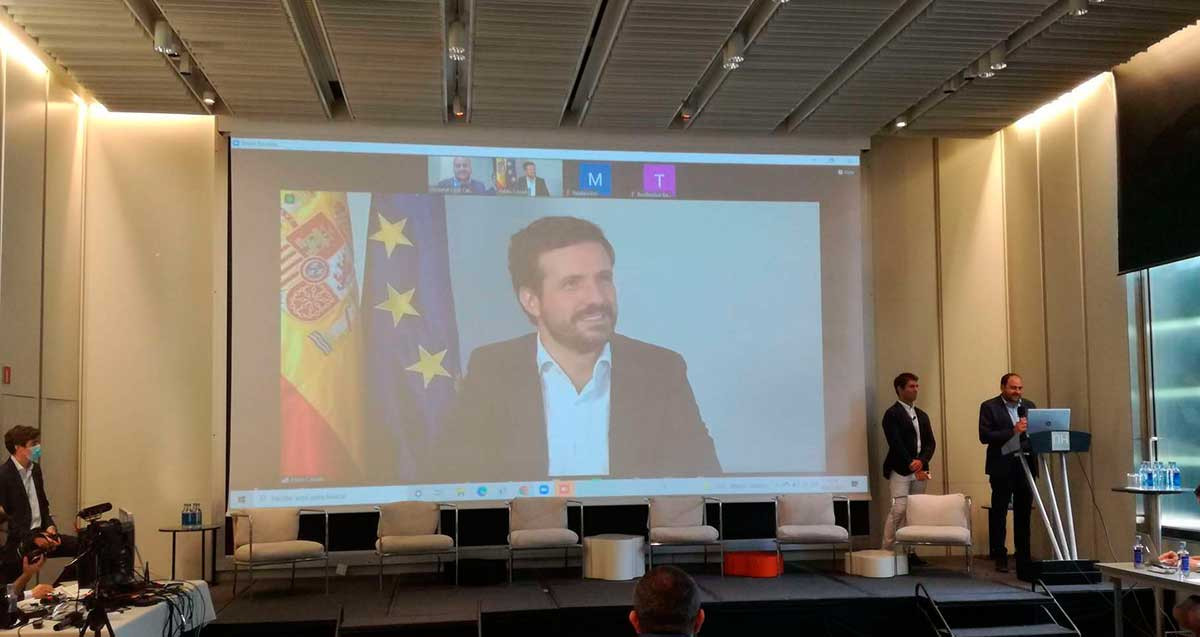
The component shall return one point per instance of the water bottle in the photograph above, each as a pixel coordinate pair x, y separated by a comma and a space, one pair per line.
198, 515
1147, 475
11, 596
1176, 476
1160, 476
1185, 561
185, 516
1139, 553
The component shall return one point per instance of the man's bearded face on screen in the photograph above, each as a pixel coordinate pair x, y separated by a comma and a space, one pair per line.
462, 169
577, 304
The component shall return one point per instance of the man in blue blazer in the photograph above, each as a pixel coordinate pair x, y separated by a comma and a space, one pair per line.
1000, 419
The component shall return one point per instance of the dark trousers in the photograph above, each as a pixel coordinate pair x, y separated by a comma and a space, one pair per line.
10, 561
1013, 488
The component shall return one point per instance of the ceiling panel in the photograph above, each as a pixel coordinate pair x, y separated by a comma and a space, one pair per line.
662, 49
1066, 55
389, 54
526, 56
106, 51
803, 44
249, 53
949, 35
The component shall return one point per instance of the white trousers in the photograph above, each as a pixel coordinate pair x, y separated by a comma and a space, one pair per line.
899, 486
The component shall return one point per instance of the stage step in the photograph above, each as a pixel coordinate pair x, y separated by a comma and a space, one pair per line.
1032, 616
1028, 630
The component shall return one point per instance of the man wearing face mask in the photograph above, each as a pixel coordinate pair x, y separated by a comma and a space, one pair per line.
23, 495
574, 398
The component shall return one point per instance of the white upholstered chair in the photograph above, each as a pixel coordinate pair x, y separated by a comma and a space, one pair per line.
937, 520
682, 520
541, 523
270, 537
415, 528
807, 519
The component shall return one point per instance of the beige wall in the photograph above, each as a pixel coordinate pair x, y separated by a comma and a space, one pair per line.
148, 323
1020, 231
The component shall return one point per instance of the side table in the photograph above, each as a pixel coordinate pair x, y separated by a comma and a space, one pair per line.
211, 552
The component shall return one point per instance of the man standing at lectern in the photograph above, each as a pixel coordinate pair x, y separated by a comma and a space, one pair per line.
1000, 419
910, 449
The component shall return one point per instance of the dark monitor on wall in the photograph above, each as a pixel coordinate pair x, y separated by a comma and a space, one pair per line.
1158, 121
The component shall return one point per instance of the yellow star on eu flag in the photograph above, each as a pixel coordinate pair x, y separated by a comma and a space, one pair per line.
400, 305
429, 366
391, 234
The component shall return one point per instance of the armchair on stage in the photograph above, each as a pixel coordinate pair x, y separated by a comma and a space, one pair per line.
541, 523
682, 520
808, 520
270, 537
937, 520
415, 528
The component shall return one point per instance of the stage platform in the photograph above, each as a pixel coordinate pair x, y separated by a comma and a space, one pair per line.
802, 601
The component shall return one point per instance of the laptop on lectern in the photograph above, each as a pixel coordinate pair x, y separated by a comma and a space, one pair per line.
1048, 420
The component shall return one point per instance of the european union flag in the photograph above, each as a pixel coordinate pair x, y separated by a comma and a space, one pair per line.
411, 334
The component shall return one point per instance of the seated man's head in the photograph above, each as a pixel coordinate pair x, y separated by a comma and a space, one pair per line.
666, 600
462, 169
24, 444
562, 272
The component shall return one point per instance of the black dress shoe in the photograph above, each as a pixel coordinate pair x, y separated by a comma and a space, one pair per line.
1001, 564
915, 560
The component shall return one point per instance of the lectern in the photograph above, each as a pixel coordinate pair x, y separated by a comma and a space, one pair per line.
1066, 567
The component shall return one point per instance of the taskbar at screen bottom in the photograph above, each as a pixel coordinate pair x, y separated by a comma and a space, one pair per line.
586, 488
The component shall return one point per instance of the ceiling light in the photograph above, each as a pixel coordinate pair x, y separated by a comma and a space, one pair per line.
985, 70
996, 57
901, 121
1077, 7
686, 111
952, 85
208, 98
458, 107
164, 39
456, 42
185, 64
734, 53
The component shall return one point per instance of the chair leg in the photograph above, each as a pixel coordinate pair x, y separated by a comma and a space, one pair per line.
510, 565
705, 558
292, 585
381, 572
456, 566
722, 546
967, 554
650, 557
235, 578
326, 573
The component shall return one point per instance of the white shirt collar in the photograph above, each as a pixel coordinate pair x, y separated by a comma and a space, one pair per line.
22, 470
546, 362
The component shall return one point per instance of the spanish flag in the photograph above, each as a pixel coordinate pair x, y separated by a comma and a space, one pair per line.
321, 345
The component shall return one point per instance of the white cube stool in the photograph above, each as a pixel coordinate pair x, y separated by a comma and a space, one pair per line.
613, 556
876, 563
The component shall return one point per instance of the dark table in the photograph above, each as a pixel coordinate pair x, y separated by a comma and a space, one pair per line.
201, 529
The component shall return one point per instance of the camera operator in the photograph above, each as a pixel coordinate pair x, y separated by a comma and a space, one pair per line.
23, 499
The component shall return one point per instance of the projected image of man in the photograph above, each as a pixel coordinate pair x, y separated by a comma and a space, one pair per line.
462, 182
531, 184
575, 398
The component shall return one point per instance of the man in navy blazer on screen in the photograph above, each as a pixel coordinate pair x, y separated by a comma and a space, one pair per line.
574, 399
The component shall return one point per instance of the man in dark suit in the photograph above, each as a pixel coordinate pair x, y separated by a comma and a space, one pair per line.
1000, 419
461, 182
23, 499
531, 184
573, 399
910, 452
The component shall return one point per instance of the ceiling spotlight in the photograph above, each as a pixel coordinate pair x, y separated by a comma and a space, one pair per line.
781, 1
953, 85
456, 42
164, 39
985, 70
1077, 7
901, 121
734, 53
185, 64
996, 57
208, 98
686, 111
459, 111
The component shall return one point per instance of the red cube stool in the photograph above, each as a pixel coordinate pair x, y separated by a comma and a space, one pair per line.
753, 564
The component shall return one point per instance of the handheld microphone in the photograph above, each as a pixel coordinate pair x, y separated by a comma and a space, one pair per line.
1022, 411
71, 620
